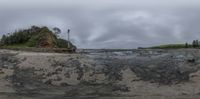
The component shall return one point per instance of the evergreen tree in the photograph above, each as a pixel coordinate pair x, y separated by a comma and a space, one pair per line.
3, 39
193, 44
197, 43
186, 45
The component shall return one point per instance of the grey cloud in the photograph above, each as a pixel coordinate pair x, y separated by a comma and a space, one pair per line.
112, 24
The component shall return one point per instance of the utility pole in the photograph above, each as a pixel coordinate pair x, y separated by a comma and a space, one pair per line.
68, 31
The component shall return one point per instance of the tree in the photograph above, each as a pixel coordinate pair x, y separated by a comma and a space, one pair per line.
193, 44
197, 43
56, 30
3, 40
186, 45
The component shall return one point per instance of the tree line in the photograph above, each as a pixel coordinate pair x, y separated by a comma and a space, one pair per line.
19, 36
195, 44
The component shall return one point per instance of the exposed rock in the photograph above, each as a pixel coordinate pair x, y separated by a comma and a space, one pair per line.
103, 73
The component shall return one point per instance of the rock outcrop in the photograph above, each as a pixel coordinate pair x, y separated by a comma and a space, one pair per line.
100, 73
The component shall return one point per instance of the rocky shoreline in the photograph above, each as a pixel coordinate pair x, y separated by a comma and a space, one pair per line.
100, 73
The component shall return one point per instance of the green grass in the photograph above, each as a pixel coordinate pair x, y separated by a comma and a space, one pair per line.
169, 46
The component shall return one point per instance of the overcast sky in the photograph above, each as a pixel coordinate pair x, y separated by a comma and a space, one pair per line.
108, 23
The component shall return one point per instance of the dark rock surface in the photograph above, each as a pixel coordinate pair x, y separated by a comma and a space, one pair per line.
101, 73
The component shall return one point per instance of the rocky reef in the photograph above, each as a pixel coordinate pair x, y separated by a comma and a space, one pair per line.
100, 73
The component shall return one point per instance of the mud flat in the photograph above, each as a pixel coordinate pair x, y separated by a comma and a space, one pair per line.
101, 74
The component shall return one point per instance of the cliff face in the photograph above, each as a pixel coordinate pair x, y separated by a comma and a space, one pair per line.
135, 73
43, 39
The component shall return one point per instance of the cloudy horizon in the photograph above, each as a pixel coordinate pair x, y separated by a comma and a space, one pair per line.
108, 24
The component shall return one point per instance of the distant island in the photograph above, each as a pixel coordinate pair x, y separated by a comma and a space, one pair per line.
35, 37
